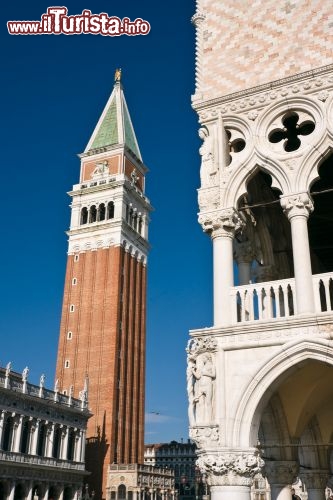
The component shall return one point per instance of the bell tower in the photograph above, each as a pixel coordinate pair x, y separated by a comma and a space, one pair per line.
102, 333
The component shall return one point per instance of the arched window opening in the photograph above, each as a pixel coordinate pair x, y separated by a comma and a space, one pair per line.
130, 217
7, 434
41, 440
56, 443
4, 493
19, 492
68, 493
140, 225
320, 223
121, 492
25, 438
266, 238
84, 216
71, 444
92, 214
110, 214
135, 221
101, 212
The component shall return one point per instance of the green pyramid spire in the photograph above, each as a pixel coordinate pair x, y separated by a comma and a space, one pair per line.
115, 126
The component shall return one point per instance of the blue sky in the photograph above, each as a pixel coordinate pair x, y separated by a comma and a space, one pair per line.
53, 91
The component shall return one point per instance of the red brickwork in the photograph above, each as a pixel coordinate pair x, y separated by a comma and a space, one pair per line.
108, 344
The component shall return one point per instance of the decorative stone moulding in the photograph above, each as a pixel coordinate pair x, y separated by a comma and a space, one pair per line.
251, 101
205, 436
231, 467
329, 104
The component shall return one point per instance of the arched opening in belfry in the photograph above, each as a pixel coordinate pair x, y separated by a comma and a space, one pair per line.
321, 220
292, 425
267, 235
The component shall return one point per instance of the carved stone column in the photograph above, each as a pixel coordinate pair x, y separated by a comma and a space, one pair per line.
222, 225
244, 257
280, 475
12, 491
83, 445
315, 482
230, 474
29, 487
77, 446
34, 440
64, 443
2, 420
298, 208
17, 429
49, 440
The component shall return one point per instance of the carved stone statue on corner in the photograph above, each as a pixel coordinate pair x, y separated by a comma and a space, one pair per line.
204, 377
208, 171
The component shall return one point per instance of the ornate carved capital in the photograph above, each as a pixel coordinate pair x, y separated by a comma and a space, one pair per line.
281, 472
197, 345
314, 479
231, 468
205, 436
299, 204
226, 222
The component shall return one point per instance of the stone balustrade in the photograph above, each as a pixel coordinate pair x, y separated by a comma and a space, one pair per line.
277, 299
42, 461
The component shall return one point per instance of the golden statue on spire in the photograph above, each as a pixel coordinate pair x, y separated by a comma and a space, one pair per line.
117, 75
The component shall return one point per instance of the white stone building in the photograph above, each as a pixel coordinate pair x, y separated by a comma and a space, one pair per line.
42, 440
180, 457
259, 380
140, 482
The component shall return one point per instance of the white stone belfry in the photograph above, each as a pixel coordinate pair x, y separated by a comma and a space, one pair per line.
259, 380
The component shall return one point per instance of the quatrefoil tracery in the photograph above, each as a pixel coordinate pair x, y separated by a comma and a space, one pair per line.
293, 127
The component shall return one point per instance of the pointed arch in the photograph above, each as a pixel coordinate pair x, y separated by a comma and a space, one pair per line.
237, 184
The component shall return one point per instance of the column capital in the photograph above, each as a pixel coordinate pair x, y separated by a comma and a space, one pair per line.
226, 222
315, 479
298, 204
230, 468
281, 471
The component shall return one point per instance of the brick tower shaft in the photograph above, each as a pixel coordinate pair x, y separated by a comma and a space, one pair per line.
102, 333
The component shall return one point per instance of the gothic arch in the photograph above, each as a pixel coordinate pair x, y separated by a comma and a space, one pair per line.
308, 172
264, 383
237, 185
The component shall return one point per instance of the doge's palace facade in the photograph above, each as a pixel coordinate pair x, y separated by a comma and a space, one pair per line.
259, 380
